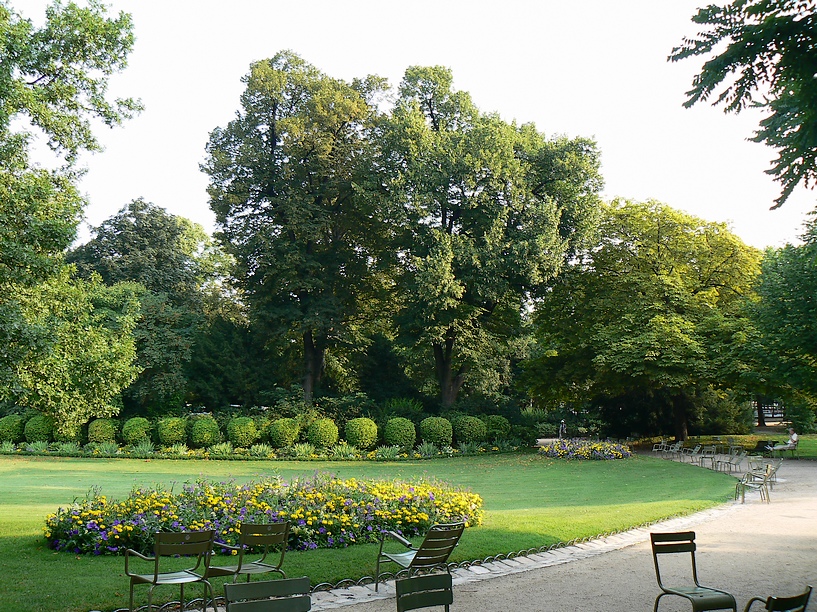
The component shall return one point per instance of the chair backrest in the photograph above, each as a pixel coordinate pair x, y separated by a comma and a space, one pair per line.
286, 595
424, 592
263, 535
194, 544
796, 603
437, 545
673, 543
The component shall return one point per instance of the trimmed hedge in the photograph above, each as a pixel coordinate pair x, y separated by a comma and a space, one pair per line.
204, 431
361, 433
12, 428
282, 433
39, 428
241, 432
171, 430
72, 433
469, 429
135, 430
102, 430
399, 431
436, 430
323, 433
497, 425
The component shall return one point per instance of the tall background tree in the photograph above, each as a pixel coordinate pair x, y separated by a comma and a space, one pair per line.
289, 184
487, 211
645, 323
763, 56
53, 81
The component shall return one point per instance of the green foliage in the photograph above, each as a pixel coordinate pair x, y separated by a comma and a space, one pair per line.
135, 430
203, 431
400, 432
469, 429
241, 432
12, 428
222, 449
289, 184
102, 430
497, 426
143, 448
492, 210
262, 451
39, 428
766, 48
437, 430
322, 433
405, 407
171, 430
54, 85
71, 433
646, 320
282, 433
361, 432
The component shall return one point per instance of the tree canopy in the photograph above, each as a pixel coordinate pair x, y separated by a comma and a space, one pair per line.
651, 310
764, 55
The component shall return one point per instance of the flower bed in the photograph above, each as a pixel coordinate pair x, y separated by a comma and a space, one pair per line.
325, 512
582, 449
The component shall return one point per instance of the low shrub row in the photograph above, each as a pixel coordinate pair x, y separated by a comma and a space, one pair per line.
325, 512
202, 431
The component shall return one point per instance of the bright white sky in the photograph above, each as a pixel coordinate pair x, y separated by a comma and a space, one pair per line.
594, 68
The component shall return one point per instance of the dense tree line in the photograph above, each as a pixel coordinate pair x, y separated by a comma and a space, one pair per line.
376, 249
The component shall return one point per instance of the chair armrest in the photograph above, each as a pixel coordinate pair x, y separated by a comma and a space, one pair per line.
132, 553
751, 601
399, 538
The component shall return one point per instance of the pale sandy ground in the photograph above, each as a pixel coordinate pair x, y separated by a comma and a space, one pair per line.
755, 549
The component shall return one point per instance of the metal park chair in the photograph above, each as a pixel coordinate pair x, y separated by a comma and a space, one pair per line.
434, 550
286, 595
265, 536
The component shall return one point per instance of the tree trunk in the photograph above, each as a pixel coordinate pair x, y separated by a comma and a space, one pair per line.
450, 383
314, 361
761, 415
680, 422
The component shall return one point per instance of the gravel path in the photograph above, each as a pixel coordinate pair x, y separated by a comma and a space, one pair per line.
751, 549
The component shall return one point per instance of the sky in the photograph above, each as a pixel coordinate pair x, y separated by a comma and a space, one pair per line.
590, 68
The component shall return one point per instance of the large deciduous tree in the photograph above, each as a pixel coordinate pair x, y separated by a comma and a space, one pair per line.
487, 211
289, 184
53, 83
763, 54
649, 317
173, 260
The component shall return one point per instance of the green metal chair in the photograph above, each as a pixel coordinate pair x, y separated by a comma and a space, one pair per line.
266, 536
193, 545
797, 603
701, 597
424, 592
286, 595
434, 550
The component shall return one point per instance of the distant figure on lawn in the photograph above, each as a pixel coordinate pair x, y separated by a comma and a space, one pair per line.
790, 443
562, 430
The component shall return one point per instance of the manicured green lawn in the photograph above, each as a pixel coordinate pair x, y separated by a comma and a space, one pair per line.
529, 502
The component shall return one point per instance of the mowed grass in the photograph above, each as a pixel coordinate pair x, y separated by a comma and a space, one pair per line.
529, 501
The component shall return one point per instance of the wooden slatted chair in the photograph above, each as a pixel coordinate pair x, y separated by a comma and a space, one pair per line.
265, 536
701, 597
195, 545
286, 595
434, 550
424, 592
797, 603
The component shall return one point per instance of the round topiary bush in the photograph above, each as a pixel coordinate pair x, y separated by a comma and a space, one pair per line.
361, 433
204, 432
241, 432
469, 429
135, 430
102, 430
71, 433
437, 431
171, 430
282, 433
12, 428
323, 433
498, 427
399, 432
39, 428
